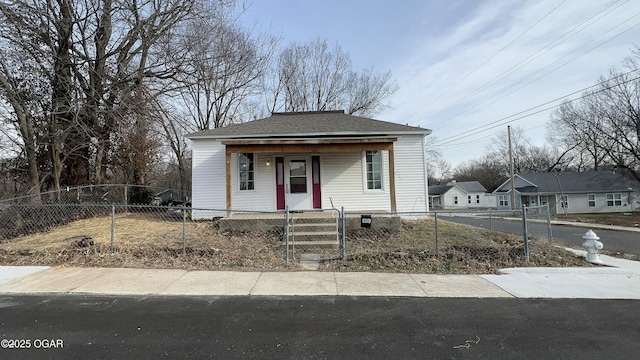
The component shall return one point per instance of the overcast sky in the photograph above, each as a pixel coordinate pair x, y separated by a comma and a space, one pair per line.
465, 64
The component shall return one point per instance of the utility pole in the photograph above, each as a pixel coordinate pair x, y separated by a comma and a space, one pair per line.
513, 185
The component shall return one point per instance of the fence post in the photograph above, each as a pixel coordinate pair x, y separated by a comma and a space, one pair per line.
113, 224
525, 232
286, 233
549, 233
490, 221
184, 235
437, 245
343, 235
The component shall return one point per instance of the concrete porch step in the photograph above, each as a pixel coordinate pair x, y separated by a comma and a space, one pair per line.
323, 243
313, 233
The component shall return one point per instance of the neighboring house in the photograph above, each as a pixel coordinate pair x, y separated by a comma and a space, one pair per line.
310, 160
571, 192
460, 195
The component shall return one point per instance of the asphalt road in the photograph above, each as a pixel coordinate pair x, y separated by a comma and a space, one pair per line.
628, 242
94, 327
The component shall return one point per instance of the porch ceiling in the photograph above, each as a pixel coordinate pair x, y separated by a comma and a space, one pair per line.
309, 145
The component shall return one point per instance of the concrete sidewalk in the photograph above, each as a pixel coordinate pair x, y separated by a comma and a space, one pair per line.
620, 279
303, 283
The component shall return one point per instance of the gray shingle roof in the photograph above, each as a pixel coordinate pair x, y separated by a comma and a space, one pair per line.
471, 186
581, 182
313, 123
439, 189
466, 186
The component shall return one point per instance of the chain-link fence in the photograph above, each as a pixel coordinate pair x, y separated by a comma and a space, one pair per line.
384, 241
106, 194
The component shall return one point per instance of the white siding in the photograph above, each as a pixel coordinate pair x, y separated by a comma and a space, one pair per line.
578, 204
410, 173
263, 197
518, 184
490, 201
208, 178
449, 199
342, 179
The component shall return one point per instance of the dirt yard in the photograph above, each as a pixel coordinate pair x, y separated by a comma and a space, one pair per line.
144, 242
619, 219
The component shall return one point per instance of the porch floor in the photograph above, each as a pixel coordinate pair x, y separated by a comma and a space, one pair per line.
240, 221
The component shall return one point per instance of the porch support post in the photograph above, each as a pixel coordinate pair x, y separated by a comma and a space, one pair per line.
392, 179
228, 179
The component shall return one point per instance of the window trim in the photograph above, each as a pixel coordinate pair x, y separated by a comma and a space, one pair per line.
564, 201
589, 200
251, 184
477, 199
613, 199
455, 200
365, 171
503, 200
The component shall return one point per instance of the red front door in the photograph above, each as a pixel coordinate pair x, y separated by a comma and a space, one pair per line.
280, 203
315, 174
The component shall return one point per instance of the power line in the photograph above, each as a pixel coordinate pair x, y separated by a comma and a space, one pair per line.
508, 119
492, 57
575, 30
476, 108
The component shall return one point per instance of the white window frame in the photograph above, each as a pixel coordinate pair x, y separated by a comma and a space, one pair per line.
469, 199
564, 201
251, 184
455, 200
613, 200
477, 199
365, 171
591, 200
503, 200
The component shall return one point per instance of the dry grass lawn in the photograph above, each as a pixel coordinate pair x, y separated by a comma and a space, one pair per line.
144, 241
631, 219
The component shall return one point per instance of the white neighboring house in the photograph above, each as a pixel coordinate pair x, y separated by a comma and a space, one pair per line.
309, 160
460, 195
571, 192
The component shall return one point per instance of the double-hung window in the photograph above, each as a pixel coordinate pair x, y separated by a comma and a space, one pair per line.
246, 171
564, 201
591, 200
614, 199
503, 200
373, 161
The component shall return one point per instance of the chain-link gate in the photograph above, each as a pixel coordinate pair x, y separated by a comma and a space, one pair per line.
314, 235
536, 222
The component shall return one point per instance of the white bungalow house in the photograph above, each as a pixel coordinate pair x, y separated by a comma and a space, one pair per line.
571, 192
310, 160
460, 195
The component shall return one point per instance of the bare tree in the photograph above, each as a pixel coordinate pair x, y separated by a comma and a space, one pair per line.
311, 77
95, 58
224, 70
605, 121
527, 157
488, 170
438, 169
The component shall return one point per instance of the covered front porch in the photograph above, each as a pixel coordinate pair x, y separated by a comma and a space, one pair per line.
310, 174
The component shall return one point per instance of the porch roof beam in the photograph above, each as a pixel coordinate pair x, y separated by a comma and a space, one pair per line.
310, 141
308, 148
